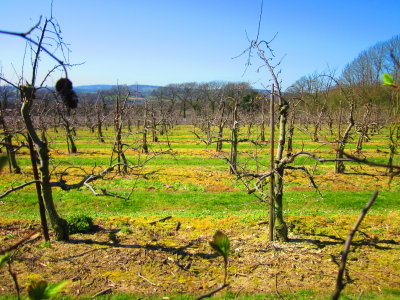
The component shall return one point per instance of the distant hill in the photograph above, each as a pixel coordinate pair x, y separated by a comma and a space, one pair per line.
143, 90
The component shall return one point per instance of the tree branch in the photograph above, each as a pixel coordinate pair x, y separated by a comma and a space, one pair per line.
339, 281
19, 187
305, 170
25, 35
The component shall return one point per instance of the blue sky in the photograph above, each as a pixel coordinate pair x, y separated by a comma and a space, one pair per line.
160, 42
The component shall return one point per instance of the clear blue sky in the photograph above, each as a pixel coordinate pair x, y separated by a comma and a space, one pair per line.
160, 42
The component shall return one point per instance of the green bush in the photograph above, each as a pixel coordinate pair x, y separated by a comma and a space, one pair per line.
79, 223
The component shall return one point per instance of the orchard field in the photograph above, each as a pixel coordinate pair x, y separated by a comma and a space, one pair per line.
189, 184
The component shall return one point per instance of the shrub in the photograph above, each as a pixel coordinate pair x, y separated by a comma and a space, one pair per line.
79, 224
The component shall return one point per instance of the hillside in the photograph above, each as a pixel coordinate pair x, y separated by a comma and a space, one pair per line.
143, 90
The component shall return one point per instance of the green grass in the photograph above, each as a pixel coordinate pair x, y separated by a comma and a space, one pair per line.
198, 203
189, 195
193, 183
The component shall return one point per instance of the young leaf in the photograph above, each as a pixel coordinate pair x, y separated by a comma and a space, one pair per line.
221, 244
39, 290
387, 79
4, 259
54, 288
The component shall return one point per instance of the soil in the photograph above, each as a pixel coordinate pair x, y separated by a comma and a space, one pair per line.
129, 255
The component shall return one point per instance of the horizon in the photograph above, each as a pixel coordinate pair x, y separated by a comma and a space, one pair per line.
160, 43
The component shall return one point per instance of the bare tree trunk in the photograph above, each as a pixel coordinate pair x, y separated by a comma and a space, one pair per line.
289, 149
219, 137
59, 225
234, 139
100, 135
70, 138
99, 124
339, 166
14, 167
9, 147
42, 208
118, 145
154, 128
394, 138
271, 164
145, 148
262, 134
364, 128
280, 227
69, 132
221, 124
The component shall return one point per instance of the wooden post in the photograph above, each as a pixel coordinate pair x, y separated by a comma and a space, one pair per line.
271, 166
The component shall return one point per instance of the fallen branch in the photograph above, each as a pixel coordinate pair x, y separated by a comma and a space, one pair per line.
147, 280
160, 220
16, 245
209, 294
339, 281
103, 292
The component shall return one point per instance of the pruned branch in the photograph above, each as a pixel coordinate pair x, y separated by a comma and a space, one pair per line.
339, 281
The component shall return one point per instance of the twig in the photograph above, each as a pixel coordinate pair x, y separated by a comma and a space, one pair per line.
24, 35
19, 243
178, 263
147, 280
103, 292
209, 294
310, 177
339, 281
15, 280
160, 220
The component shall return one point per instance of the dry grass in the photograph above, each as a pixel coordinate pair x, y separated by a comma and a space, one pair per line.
158, 260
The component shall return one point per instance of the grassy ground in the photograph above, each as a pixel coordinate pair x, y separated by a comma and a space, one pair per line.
193, 186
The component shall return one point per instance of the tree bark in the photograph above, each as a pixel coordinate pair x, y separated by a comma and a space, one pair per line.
280, 227
59, 225
234, 140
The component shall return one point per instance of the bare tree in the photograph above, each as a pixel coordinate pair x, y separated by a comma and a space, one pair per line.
119, 112
7, 132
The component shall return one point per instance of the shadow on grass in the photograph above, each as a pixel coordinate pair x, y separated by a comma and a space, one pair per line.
367, 241
172, 250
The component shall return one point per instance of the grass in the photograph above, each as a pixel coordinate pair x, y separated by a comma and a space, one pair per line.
193, 181
192, 184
